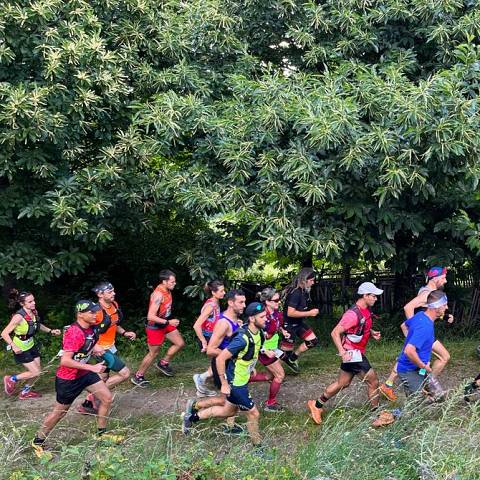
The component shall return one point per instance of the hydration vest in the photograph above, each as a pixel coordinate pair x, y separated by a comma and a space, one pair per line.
33, 324
84, 353
248, 355
164, 309
107, 318
355, 334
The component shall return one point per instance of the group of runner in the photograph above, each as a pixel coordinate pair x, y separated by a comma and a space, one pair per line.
235, 340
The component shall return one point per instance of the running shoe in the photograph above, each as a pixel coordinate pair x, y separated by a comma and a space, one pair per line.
315, 413
388, 392
87, 408
275, 407
435, 389
236, 429
189, 409
469, 391
9, 385
139, 381
384, 418
292, 364
110, 437
29, 394
95, 403
38, 446
186, 423
261, 452
165, 368
202, 390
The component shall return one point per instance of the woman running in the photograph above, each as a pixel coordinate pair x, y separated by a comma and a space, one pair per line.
275, 372
25, 323
203, 327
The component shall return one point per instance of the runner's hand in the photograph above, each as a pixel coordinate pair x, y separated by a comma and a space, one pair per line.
428, 368
98, 350
450, 318
204, 347
98, 367
376, 335
55, 332
225, 389
285, 333
130, 335
313, 312
16, 349
347, 356
174, 322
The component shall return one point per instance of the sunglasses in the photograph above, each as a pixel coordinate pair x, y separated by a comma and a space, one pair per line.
275, 300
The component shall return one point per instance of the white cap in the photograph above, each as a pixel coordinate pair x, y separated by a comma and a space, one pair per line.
368, 287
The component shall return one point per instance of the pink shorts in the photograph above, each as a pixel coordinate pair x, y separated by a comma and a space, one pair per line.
157, 337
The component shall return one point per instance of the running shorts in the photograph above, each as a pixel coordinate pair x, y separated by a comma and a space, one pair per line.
265, 360
240, 397
300, 330
69, 390
412, 381
157, 337
357, 367
28, 356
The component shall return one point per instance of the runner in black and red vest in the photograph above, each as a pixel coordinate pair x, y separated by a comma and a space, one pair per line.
351, 336
75, 374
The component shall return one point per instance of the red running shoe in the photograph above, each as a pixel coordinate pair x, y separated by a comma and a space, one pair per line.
29, 394
9, 385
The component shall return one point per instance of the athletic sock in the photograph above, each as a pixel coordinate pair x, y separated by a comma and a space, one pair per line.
272, 393
389, 383
38, 441
26, 388
319, 403
163, 362
293, 356
259, 377
204, 376
13, 378
101, 431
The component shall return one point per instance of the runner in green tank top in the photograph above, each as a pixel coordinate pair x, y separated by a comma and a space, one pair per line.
243, 350
24, 324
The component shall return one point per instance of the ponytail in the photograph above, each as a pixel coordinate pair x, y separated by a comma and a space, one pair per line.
16, 299
212, 286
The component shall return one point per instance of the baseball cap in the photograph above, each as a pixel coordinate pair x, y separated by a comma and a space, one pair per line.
436, 272
83, 306
368, 287
102, 286
254, 308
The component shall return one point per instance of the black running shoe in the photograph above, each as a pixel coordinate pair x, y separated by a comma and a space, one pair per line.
186, 423
236, 429
165, 368
139, 381
292, 364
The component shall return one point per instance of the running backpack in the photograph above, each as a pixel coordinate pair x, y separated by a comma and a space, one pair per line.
251, 342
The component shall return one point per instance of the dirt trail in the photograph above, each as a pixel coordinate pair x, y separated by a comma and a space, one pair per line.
135, 401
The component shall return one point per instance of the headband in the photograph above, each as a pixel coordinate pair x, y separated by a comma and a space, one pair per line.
438, 303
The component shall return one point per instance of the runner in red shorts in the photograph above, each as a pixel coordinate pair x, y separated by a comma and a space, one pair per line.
159, 326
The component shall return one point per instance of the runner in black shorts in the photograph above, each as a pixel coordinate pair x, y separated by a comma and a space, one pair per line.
295, 312
75, 375
351, 336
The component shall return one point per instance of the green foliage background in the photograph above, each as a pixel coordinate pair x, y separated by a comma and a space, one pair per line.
214, 130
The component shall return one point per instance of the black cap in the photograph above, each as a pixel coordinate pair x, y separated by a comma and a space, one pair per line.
254, 308
102, 286
83, 306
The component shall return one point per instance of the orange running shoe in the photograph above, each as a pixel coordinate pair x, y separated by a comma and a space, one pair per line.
388, 392
315, 413
384, 418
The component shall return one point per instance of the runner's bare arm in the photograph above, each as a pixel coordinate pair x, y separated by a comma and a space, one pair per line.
336, 335
66, 360
404, 328
294, 313
153, 309
197, 326
418, 301
220, 330
15, 320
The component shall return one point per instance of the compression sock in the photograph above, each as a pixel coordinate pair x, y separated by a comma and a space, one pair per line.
272, 394
194, 417
389, 383
319, 403
163, 362
259, 377
204, 376
26, 388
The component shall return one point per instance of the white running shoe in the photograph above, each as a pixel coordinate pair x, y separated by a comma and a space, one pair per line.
202, 390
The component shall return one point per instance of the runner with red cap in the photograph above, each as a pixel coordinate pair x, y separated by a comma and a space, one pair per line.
351, 336
436, 279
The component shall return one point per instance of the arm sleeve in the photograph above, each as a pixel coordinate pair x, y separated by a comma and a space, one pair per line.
237, 345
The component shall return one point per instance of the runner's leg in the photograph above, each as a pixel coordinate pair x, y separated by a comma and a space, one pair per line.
177, 343
443, 356
58, 412
278, 373
153, 351
121, 376
252, 425
103, 394
371, 380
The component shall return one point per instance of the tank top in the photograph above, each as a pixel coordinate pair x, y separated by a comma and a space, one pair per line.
272, 325
107, 339
24, 328
164, 309
226, 340
209, 323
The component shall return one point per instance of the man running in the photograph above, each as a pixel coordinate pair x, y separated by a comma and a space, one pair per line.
351, 336
436, 279
413, 364
295, 312
75, 375
159, 326
241, 355
223, 331
110, 309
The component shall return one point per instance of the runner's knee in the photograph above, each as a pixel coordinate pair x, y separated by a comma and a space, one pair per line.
311, 343
124, 373
253, 414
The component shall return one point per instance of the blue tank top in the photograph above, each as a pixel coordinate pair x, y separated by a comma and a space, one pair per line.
226, 340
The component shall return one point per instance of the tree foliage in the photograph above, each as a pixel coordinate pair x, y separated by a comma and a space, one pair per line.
344, 129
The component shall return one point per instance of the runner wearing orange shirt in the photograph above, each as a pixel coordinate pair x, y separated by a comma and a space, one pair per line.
159, 326
110, 310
